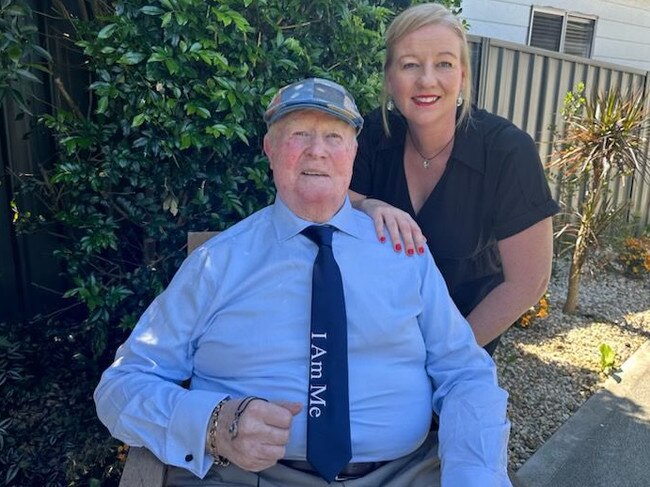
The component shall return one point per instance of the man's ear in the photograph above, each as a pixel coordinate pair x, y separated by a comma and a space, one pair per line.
268, 149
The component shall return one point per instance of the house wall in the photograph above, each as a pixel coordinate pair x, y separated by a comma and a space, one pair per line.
622, 26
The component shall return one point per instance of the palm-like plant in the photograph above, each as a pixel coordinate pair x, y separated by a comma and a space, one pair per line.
604, 137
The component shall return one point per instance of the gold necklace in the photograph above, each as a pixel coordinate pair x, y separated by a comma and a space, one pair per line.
426, 161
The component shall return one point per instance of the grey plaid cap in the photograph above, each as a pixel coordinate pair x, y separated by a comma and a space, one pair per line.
318, 94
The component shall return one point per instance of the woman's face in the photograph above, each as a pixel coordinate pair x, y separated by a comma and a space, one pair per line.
426, 76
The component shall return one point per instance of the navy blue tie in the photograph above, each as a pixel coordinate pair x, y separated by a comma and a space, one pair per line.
328, 412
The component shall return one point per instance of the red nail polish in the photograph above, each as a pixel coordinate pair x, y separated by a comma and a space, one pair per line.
410, 251
421, 250
398, 247
382, 239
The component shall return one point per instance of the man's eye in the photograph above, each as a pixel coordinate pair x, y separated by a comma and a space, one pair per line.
300, 133
334, 135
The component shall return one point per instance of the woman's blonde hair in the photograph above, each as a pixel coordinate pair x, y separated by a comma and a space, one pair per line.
413, 19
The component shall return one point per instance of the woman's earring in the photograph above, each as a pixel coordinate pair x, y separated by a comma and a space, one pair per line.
390, 106
460, 100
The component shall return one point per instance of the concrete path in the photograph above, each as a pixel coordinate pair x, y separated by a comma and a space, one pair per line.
606, 442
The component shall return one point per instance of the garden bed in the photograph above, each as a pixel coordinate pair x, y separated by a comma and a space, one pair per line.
551, 367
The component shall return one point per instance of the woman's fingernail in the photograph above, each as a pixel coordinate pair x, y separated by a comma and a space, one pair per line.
410, 251
398, 247
382, 239
421, 250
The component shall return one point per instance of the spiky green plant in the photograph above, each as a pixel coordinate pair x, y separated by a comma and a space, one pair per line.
604, 137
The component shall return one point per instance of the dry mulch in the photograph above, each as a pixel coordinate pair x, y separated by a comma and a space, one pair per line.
553, 366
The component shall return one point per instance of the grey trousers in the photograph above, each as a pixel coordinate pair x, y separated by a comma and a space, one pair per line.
419, 469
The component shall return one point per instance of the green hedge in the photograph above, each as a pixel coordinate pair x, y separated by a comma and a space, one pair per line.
174, 142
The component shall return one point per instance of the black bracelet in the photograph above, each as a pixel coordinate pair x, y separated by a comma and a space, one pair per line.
233, 429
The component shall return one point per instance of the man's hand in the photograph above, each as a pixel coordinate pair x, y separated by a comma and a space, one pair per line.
262, 432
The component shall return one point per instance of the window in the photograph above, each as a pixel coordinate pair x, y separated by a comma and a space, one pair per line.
579, 36
562, 31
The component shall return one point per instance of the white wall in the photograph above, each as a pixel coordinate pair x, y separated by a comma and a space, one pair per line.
622, 26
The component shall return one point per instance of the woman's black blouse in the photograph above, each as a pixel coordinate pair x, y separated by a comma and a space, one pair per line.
492, 188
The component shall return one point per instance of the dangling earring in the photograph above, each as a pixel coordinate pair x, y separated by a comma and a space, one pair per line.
460, 100
390, 106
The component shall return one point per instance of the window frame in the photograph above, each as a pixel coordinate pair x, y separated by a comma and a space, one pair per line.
566, 16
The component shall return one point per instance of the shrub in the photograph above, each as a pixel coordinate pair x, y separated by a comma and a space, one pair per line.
173, 143
49, 433
635, 256
537, 312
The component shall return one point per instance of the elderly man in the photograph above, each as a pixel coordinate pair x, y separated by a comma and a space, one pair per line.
315, 354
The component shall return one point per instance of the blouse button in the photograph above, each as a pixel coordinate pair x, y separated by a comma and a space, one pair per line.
189, 458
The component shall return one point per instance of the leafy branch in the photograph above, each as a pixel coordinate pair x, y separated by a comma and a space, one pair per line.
19, 52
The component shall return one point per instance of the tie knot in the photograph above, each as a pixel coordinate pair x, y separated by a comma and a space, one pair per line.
319, 234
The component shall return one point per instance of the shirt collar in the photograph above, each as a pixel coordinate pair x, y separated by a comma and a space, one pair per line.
287, 224
468, 146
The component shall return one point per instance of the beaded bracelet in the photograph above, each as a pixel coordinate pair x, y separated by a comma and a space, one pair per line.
212, 435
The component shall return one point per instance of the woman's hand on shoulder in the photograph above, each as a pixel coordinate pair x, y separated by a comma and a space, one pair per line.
401, 227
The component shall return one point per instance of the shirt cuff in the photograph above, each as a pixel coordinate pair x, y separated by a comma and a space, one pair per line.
188, 428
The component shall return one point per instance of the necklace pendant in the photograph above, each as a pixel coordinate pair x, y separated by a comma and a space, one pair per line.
426, 163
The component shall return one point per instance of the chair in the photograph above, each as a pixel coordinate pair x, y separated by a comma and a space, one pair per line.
142, 468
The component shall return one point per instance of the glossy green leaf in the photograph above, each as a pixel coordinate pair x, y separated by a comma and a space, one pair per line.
166, 19
102, 105
131, 58
106, 31
152, 10
23, 73
138, 120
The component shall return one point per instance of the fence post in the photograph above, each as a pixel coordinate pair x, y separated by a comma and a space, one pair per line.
484, 64
641, 201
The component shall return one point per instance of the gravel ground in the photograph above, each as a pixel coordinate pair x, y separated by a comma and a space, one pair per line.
552, 367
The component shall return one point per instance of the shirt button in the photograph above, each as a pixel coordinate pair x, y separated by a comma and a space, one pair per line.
189, 458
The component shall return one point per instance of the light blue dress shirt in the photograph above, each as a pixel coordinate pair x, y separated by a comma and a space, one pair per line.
236, 318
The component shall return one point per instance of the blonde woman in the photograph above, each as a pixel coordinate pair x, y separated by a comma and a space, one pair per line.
432, 169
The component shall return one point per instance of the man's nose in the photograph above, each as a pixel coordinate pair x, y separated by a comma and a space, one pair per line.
317, 145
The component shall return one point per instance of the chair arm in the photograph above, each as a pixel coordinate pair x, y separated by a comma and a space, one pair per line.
142, 469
